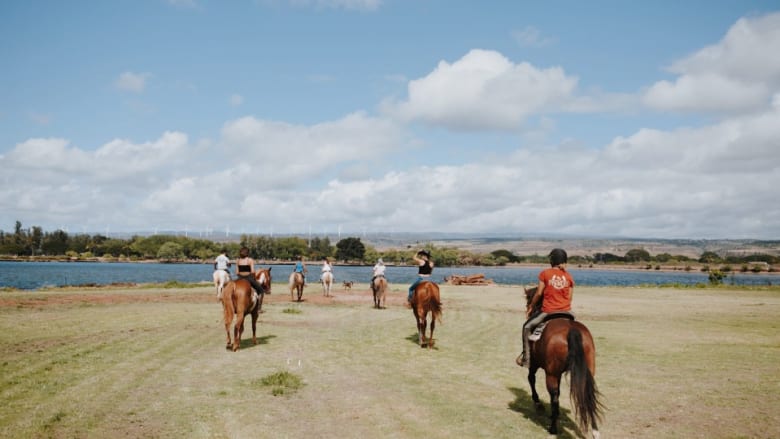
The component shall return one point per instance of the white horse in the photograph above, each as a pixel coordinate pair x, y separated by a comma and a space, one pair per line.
221, 278
327, 282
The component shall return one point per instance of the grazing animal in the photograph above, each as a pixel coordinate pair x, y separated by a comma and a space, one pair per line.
221, 278
426, 299
238, 300
296, 285
348, 285
327, 283
566, 346
379, 287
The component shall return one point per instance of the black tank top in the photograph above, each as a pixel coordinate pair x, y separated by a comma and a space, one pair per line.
244, 269
425, 268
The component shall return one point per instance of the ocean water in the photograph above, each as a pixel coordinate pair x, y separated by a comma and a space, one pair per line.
34, 275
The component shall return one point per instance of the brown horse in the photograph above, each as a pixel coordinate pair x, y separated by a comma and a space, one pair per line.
238, 300
425, 299
379, 288
566, 346
296, 285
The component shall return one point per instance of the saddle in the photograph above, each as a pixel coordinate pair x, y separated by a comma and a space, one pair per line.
537, 334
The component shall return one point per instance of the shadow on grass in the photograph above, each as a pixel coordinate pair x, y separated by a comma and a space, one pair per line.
414, 338
524, 405
246, 343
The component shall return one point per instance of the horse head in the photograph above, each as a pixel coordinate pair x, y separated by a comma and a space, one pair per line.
263, 277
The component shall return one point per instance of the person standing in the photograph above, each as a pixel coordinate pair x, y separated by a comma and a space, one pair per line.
555, 289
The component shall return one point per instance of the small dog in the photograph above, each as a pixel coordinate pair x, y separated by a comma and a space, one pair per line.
348, 285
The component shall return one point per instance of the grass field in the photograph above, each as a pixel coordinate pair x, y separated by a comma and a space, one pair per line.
151, 362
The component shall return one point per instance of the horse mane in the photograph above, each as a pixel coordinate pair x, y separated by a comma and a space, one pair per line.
529, 295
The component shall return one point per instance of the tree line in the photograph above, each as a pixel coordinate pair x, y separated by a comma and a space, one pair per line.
35, 242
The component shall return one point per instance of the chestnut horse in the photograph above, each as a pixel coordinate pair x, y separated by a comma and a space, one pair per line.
296, 285
238, 300
425, 299
566, 346
379, 287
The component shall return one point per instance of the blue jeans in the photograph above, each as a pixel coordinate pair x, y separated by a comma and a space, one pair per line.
414, 285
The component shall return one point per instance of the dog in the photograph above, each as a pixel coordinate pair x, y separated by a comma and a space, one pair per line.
348, 285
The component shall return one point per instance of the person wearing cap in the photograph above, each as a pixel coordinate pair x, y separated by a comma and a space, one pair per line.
379, 270
424, 270
555, 289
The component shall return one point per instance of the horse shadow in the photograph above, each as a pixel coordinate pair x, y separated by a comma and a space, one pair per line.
261, 340
524, 404
415, 338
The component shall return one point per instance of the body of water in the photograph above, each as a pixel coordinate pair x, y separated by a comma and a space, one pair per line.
34, 275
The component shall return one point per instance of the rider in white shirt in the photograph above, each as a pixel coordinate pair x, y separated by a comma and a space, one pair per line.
326, 268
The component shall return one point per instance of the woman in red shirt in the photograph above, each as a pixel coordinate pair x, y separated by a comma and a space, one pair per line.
557, 287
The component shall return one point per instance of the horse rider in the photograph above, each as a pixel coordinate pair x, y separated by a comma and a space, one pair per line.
222, 262
300, 267
245, 269
556, 288
378, 270
424, 270
326, 268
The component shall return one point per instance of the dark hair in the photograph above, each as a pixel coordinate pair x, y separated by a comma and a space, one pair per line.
244, 252
558, 256
224, 250
424, 253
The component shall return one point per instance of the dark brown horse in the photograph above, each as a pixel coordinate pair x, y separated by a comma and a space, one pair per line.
426, 299
566, 346
238, 300
379, 288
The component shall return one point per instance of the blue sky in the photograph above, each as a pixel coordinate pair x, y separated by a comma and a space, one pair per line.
632, 119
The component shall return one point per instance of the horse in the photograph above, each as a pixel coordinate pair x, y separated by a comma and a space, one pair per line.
425, 299
379, 287
296, 285
327, 283
238, 300
566, 346
221, 278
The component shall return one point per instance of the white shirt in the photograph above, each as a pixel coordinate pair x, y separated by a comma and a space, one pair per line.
379, 270
222, 262
325, 267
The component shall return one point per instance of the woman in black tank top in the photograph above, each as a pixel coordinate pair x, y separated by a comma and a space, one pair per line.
424, 270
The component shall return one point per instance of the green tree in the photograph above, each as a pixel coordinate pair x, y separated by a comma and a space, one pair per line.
350, 249
170, 251
637, 255
709, 258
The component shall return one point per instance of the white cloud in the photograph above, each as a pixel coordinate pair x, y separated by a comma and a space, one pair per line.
236, 100
531, 37
739, 73
484, 90
132, 82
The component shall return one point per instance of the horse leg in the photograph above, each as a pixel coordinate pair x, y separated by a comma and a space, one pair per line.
255, 313
433, 326
555, 391
239, 330
423, 330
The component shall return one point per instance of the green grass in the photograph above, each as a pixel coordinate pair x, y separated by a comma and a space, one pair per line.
672, 363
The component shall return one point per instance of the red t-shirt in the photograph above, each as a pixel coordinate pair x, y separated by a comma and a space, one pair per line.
557, 290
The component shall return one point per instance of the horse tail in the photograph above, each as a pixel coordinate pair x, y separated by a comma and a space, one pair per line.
584, 393
435, 302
